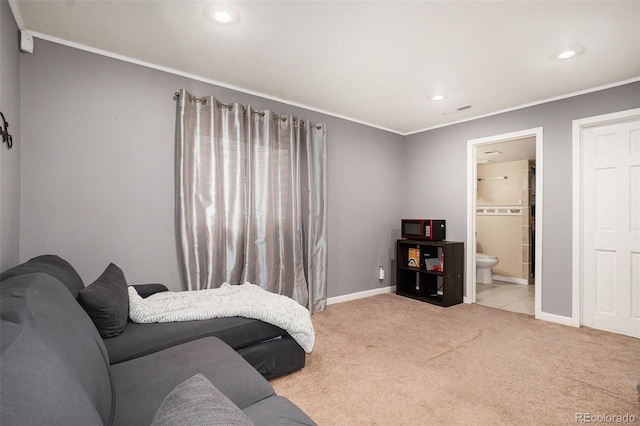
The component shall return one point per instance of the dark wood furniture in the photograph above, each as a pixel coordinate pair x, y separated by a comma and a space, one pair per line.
418, 279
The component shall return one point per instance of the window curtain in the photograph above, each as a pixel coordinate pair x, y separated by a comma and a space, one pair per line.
251, 199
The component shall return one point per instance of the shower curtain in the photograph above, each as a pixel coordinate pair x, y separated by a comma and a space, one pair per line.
251, 199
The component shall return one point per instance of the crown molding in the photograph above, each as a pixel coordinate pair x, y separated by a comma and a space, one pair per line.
17, 16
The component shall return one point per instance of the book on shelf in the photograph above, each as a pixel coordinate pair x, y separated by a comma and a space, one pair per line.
413, 257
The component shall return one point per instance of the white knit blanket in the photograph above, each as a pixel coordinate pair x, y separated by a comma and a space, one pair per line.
246, 300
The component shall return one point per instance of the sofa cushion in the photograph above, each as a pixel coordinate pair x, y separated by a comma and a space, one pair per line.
143, 339
54, 366
196, 402
51, 265
275, 358
146, 290
143, 383
106, 301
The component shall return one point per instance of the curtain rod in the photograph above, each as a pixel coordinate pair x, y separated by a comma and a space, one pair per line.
194, 98
493, 178
244, 109
219, 104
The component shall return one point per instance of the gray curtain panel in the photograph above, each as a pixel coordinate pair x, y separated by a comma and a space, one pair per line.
251, 199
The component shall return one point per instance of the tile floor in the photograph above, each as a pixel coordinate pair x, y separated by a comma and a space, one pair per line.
507, 296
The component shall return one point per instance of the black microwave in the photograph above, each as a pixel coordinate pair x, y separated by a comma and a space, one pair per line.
424, 229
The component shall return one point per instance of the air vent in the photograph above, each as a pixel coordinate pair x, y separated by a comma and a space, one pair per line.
457, 109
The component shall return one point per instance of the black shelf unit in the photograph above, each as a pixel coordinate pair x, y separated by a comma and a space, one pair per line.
421, 282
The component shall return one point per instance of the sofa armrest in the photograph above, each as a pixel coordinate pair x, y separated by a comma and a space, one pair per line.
146, 290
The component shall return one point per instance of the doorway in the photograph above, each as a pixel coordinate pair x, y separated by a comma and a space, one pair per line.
508, 148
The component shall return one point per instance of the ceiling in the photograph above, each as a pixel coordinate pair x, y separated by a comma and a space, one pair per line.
372, 62
502, 152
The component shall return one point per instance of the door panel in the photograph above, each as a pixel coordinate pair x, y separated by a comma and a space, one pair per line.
611, 227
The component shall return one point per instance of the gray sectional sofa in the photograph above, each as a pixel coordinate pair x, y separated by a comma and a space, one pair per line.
57, 369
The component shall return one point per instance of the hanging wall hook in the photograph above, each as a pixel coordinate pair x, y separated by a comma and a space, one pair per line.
6, 137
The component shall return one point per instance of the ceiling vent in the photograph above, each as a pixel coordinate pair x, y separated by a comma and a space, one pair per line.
457, 109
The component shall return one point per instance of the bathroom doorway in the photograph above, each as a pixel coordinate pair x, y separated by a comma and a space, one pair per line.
504, 212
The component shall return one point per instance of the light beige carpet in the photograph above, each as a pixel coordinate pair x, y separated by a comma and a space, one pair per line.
390, 360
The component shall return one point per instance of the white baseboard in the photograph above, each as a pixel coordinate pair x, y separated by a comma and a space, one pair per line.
361, 295
511, 279
558, 319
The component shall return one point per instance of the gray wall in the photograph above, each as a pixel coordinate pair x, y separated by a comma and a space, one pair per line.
97, 173
9, 159
98, 177
437, 163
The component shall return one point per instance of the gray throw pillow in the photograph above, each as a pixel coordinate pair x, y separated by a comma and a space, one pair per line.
196, 402
106, 301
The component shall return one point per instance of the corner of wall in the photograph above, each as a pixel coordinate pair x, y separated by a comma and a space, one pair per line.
10, 159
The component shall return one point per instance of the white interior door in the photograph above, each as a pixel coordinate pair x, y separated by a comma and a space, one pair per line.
611, 227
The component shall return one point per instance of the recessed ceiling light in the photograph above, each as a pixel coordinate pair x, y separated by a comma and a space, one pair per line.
569, 52
566, 54
437, 98
221, 14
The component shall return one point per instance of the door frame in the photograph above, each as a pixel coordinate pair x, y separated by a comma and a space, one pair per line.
578, 129
472, 186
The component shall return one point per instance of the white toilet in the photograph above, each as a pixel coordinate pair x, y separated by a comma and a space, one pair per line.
484, 263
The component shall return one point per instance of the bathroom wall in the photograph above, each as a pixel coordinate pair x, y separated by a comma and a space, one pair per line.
502, 219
